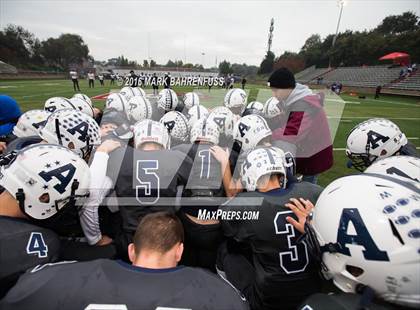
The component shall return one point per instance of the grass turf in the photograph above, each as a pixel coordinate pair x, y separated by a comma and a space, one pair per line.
405, 112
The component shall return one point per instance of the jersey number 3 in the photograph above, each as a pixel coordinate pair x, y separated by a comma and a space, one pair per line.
36, 245
296, 258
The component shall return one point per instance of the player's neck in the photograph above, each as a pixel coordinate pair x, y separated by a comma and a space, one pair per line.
9, 206
271, 185
153, 260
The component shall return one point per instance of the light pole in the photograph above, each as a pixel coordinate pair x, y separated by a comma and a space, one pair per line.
341, 4
202, 58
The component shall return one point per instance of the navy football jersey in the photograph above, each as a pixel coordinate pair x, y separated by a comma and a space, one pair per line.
280, 261
341, 301
147, 181
107, 284
22, 246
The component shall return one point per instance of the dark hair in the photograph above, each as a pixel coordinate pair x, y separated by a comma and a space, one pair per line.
159, 232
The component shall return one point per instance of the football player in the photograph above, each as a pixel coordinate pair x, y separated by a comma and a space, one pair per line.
278, 273
40, 185
398, 166
367, 243
225, 120
254, 107
374, 139
152, 280
204, 192
147, 177
177, 125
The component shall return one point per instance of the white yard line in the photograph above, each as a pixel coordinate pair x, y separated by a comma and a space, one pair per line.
343, 148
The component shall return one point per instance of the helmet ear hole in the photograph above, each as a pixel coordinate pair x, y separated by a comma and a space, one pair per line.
44, 198
71, 146
354, 271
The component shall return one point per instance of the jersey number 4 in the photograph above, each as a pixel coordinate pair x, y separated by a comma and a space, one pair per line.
148, 192
296, 258
36, 245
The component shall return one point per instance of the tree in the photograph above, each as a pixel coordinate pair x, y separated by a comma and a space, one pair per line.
397, 24
292, 61
225, 68
266, 65
152, 63
145, 63
64, 51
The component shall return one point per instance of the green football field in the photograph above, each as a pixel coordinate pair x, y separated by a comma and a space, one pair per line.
405, 112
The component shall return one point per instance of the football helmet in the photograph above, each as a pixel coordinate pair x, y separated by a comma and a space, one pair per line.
235, 98
58, 103
30, 123
254, 107
399, 166
167, 100
191, 99
262, 161
139, 91
45, 179
205, 130
224, 119
129, 92
84, 97
138, 108
272, 108
116, 101
372, 238
151, 131
250, 130
113, 116
373, 139
72, 129
176, 124
82, 105
195, 113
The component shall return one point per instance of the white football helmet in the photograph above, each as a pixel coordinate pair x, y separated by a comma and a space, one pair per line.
373, 139
235, 98
129, 92
224, 119
176, 124
45, 179
72, 129
370, 238
151, 131
30, 123
250, 130
84, 97
116, 101
205, 130
191, 99
139, 108
195, 113
167, 100
254, 107
272, 108
262, 161
82, 105
139, 91
58, 103
399, 166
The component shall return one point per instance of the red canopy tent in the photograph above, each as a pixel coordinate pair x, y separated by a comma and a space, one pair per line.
398, 58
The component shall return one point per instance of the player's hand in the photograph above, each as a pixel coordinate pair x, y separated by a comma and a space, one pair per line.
108, 146
2, 147
220, 154
301, 208
105, 240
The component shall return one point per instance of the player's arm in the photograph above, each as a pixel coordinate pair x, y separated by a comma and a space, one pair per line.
99, 187
231, 187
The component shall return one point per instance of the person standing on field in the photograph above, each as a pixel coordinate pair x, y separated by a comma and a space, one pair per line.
91, 78
101, 79
74, 78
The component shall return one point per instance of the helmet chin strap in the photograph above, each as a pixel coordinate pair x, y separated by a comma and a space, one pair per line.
20, 197
367, 297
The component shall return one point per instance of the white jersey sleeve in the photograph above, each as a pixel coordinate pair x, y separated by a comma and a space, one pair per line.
100, 185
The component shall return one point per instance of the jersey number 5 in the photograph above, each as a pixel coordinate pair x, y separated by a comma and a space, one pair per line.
148, 192
296, 258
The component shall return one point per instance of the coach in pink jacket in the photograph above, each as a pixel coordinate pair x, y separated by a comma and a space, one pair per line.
302, 127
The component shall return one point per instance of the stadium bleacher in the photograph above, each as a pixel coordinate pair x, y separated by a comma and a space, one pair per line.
362, 76
311, 75
411, 82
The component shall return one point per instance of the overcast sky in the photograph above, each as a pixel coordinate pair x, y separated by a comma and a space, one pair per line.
232, 30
